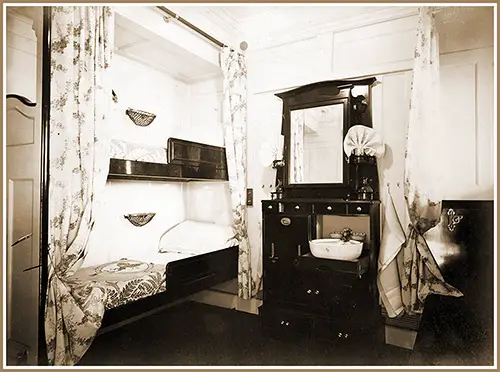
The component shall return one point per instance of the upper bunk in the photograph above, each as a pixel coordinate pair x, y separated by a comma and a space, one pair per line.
143, 35
180, 161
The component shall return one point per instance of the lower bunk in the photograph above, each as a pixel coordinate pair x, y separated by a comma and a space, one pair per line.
135, 287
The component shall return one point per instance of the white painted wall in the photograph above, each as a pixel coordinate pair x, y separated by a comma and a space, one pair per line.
186, 111
206, 201
205, 113
385, 50
143, 88
21, 55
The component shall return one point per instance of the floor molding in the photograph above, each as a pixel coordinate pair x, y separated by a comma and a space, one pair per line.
226, 296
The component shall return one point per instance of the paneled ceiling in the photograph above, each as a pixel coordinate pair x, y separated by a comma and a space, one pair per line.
255, 22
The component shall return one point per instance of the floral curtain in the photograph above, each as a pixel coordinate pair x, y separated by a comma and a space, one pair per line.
298, 120
418, 271
235, 139
81, 49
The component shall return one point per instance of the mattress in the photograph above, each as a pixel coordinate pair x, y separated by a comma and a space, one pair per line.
195, 237
138, 152
165, 258
129, 280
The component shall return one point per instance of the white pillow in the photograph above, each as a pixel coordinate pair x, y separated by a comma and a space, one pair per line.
195, 237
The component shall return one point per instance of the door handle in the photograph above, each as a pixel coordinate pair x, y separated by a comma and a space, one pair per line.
272, 250
31, 268
21, 239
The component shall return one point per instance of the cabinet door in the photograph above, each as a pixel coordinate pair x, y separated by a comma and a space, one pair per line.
285, 236
345, 298
284, 323
278, 280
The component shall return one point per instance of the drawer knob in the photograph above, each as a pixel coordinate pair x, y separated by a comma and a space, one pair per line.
316, 292
287, 323
308, 291
282, 322
269, 207
329, 208
340, 334
297, 207
358, 209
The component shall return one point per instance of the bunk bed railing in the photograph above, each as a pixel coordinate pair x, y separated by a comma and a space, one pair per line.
186, 161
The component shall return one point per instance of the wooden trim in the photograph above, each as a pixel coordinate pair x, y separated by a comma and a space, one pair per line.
44, 180
139, 170
24, 100
186, 161
340, 84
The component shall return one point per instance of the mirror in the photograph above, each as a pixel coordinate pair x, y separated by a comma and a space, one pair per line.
316, 138
316, 117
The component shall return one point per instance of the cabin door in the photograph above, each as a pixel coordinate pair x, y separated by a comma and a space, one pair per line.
23, 230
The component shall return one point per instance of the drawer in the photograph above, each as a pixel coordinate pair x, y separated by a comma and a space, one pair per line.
282, 322
358, 208
298, 207
330, 331
314, 299
332, 295
330, 208
336, 331
269, 206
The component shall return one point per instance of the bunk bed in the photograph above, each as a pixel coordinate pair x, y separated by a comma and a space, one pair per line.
191, 256
181, 161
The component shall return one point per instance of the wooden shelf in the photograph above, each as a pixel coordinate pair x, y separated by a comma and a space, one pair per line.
357, 267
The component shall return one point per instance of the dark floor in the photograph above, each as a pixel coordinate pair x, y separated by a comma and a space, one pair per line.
194, 334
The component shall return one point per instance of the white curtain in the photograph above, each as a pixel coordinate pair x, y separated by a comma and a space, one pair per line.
81, 50
235, 141
417, 270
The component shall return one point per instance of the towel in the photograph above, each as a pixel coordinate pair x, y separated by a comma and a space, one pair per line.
393, 238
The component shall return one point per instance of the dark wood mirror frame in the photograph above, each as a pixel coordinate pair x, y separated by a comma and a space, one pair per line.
355, 95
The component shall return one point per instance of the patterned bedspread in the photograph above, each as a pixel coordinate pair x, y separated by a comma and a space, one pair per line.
124, 280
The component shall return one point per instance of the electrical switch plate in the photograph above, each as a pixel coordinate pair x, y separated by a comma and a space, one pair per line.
250, 197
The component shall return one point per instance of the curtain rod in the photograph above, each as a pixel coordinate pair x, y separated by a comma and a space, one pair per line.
191, 26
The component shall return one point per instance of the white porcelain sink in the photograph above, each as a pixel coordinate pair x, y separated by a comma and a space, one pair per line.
336, 249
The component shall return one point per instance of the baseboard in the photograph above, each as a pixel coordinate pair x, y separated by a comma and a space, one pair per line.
249, 306
230, 286
400, 337
215, 298
227, 300
19, 354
